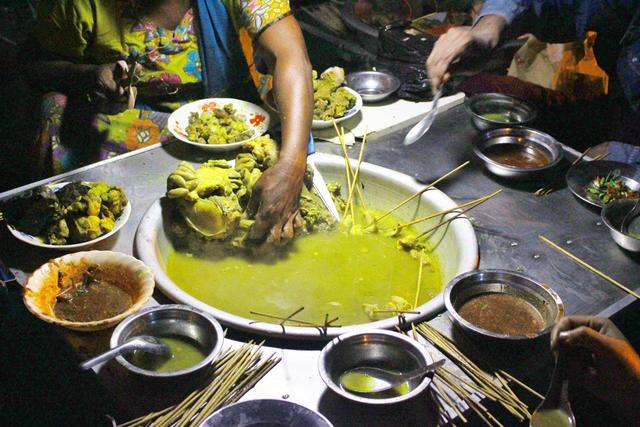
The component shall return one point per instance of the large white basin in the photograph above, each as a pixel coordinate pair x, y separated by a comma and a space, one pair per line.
456, 247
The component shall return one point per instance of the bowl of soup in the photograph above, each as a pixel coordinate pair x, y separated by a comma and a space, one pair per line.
194, 337
502, 305
497, 110
89, 291
518, 152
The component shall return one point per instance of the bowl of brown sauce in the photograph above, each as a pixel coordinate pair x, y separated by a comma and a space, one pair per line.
518, 152
497, 110
89, 291
502, 304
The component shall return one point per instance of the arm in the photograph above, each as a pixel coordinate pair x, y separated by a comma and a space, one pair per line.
602, 361
276, 195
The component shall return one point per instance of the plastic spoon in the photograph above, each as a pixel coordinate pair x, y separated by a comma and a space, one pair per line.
555, 410
375, 380
146, 343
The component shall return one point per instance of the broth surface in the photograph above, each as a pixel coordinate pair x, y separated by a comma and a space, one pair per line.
503, 314
92, 300
517, 155
184, 354
330, 273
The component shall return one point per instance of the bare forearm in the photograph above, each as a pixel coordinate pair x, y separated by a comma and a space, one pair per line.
294, 94
486, 33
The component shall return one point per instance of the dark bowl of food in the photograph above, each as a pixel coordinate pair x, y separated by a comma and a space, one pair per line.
496, 110
266, 413
373, 86
502, 305
518, 152
375, 348
194, 337
603, 181
623, 223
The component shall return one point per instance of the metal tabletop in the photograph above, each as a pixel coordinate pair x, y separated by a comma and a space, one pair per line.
507, 228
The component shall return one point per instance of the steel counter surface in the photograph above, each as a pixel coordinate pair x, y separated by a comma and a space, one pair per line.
507, 227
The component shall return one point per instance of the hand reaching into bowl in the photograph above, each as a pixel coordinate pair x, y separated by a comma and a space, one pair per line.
601, 361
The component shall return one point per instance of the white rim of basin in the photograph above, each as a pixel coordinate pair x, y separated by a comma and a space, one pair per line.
150, 227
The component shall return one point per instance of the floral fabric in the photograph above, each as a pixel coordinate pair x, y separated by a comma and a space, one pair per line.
106, 31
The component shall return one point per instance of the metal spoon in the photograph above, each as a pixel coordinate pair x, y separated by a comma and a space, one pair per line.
629, 217
145, 343
423, 125
555, 409
378, 380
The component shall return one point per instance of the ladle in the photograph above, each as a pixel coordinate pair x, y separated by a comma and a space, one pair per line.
374, 380
146, 343
555, 410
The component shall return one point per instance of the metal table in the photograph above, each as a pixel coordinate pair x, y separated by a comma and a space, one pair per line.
507, 228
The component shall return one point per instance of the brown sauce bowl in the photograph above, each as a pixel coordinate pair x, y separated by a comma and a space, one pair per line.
468, 286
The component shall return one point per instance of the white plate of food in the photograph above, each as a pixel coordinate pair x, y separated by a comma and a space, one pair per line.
218, 124
89, 222
332, 101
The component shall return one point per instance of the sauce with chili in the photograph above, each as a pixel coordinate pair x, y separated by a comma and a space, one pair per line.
503, 314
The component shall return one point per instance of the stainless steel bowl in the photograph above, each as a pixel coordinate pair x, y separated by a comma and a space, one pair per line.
518, 111
373, 85
469, 285
266, 412
612, 215
171, 320
526, 137
377, 348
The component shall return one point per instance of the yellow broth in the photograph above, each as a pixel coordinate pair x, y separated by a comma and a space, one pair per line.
184, 354
330, 273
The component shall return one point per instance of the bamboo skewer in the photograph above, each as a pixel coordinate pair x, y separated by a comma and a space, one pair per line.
458, 214
550, 188
354, 182
408, 199
521, 384
446, 211
234, 373
589, 267
420, 267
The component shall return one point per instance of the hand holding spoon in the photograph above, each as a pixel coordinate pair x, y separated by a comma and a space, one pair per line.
555, 410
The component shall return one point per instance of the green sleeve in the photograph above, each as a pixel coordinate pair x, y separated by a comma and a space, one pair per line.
64, 28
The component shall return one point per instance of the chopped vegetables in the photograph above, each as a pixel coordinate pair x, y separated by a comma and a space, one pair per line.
610, 187
218, 126
77, 212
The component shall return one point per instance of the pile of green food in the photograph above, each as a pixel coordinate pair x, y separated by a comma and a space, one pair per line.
610, 187
218, 126
210, 201
331, 100
75, 213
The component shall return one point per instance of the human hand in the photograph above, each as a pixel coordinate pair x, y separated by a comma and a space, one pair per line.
274, 203
601, 361
107, 88
447, 49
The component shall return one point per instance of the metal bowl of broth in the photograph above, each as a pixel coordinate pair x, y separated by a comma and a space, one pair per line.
379, 349
194, 337
518, 152
496, 110
266, 413
502, 305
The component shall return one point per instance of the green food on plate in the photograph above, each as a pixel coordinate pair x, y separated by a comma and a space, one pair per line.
218, 126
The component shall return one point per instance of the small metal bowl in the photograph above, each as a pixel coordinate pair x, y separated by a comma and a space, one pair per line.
266, 412
375, 348
172, 320
373, 86
518, 111
528, 138
468, 285
612, 215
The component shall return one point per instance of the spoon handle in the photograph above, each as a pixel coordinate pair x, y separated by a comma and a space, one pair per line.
88, 364
559, 388
424, 370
